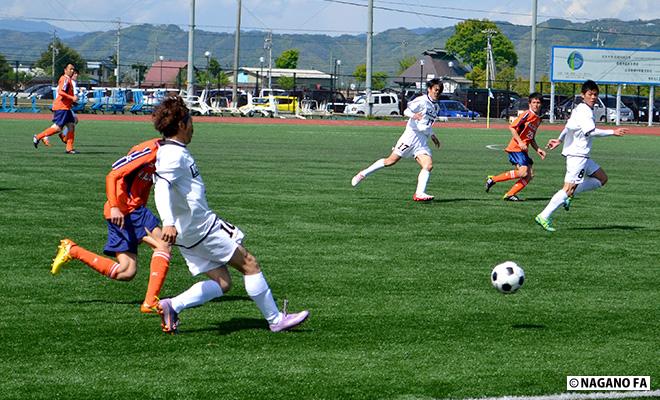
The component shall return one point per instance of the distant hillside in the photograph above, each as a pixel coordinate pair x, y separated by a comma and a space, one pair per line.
145, 43
20, 25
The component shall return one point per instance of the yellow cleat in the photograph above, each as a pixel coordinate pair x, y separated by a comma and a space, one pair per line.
62, 256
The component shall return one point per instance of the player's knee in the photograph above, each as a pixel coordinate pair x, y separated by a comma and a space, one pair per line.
428, 167
225, 284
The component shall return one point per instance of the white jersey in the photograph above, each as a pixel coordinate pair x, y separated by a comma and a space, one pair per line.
429, 108
180, 194
579, 130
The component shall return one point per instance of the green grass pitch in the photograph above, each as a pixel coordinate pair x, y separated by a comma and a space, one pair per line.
399, 293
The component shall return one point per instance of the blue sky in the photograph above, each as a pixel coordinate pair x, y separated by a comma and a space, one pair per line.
332, 17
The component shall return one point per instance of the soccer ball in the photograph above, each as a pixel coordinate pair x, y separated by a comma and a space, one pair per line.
507, 277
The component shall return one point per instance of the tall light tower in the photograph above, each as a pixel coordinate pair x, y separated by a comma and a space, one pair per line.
207, 54
532, 54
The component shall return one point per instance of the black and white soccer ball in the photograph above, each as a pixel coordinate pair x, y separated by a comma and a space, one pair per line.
507, 277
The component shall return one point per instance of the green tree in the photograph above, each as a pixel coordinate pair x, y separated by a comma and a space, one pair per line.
378, 79
286, 82
223, 79
406, 63
140, 69
288, 59
214, 67
6, 72
64, 55
469, 43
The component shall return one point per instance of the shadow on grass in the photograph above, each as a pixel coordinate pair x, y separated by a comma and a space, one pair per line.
7, 189
610, 227
222, 299
231, 326
528, 326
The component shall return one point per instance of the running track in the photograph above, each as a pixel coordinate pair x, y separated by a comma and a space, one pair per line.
479, 124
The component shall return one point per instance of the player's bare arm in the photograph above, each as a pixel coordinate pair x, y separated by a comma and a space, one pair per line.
620, 131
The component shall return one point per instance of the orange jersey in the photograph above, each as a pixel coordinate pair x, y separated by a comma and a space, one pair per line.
128, 184
64, 99
526, 125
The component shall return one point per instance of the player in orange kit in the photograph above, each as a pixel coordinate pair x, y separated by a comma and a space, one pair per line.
130, 222
62, 114
523, 130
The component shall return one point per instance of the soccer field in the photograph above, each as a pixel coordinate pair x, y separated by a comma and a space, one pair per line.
399, 292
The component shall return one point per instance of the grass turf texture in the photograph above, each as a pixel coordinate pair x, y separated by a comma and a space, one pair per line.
399, 292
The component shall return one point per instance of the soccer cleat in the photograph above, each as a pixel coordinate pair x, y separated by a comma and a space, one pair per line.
546, 223
63, 255
35, 141
422, 197
567, 203
513, 197
149, 308
289, 321
357, 179
169, 318
46, 141
489, 183
71, 152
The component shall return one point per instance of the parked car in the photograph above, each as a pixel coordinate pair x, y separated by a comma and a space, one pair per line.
383, 104
455, 109
601, 112
625, 113
644, 111
477, 100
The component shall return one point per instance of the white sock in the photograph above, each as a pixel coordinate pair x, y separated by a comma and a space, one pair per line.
590, 183
378, 164
257, 288
197, 294
422, 180
555, 202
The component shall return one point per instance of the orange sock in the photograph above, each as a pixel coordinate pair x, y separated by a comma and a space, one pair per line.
507, 176
160, 263
103, 265
47, 132
517, 187
70, 136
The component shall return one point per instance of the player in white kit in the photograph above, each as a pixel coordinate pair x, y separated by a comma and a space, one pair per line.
206, 242
413, 143
582, 173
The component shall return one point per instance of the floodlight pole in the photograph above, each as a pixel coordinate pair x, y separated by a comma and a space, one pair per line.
191, 47
237, 45
532, 54
370, 35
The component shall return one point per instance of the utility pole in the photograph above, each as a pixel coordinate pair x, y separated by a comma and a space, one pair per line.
370, 35
268, 46
191, 48
117, 70
54, 53
599, 42
490, 62
237, 45
532, 56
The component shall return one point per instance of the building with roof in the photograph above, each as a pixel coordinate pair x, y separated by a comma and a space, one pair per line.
436, 63
166, 74
252, 77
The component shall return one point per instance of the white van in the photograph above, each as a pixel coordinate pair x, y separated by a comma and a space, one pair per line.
384, 104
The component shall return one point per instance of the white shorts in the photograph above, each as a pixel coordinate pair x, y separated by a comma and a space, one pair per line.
579, 167
215, 249
410, 145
